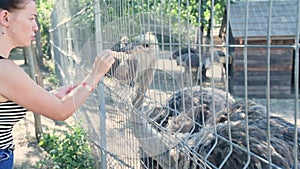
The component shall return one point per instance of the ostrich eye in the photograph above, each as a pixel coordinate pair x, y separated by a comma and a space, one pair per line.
146, 45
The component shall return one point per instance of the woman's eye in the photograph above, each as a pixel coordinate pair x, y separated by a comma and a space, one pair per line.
33, 18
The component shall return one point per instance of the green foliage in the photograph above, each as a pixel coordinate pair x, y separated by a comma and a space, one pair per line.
192, 10
44, 9
52, 77
69, 149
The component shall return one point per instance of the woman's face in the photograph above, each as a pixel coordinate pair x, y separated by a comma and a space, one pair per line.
23, 25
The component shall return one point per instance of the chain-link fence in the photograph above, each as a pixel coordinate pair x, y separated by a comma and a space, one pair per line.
196, 84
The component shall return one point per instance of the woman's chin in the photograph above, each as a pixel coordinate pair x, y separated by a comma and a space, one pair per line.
25, 45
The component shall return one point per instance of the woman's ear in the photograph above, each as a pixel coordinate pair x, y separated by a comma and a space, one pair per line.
4, 17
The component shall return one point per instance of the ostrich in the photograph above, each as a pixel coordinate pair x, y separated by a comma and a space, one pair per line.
121, 44
134, 58
189, 58
119, 49
138, 64
199, 120
183, 115
281, 139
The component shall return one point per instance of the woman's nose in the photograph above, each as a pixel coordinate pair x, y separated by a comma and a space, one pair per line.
35, 27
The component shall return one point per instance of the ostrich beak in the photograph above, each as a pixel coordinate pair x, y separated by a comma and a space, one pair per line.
130, 47
133, 47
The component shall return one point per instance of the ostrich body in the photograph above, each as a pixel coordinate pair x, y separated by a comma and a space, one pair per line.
190, 105
199, 119
190, 59
281, 139
177, 118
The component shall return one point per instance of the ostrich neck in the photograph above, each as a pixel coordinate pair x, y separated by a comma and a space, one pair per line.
153, 142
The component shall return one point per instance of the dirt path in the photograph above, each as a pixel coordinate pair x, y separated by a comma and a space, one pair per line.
27, 152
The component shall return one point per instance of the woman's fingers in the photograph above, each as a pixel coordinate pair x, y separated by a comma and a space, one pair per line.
111, 59
103, 63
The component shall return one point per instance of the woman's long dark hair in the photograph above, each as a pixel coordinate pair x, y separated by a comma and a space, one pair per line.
11, 5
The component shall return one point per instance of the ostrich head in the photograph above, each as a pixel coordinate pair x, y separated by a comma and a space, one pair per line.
141, 55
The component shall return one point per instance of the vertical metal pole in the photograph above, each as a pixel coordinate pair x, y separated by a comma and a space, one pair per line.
101, 95
296, 85
246, 80
268, 92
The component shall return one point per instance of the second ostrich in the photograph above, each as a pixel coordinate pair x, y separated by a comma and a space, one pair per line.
194, 61
217, 130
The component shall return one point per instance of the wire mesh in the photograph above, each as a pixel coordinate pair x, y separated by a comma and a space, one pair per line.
183, 92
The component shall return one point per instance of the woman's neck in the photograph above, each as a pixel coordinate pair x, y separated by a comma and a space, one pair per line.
5, 46
4, 52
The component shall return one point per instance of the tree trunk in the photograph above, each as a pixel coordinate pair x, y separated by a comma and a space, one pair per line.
36, 76
39, 53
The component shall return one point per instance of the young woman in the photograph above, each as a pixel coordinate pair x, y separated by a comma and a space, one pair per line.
18, 92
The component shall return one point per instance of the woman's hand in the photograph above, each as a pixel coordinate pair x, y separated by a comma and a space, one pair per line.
63, 91
102, 64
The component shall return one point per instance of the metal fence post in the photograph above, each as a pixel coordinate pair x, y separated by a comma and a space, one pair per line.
101, 95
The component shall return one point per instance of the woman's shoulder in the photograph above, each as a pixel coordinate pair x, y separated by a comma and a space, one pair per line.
8, 66
10, 70
12, 76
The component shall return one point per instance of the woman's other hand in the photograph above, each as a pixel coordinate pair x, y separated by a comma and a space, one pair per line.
63, 91
102, 64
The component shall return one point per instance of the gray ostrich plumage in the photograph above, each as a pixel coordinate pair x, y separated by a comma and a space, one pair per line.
133, 58
190, 105
281, 138
119, 48
185, 113
190, 59
190, 115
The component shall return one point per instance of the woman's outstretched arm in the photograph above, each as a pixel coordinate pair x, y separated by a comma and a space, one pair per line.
17, 86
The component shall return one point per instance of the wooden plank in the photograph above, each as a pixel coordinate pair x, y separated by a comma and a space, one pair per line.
264, 68
263, 77
261, 83
281, 95
256, 64
263, 62
263, 51
263, 73
260, 91
263, 88
264, 58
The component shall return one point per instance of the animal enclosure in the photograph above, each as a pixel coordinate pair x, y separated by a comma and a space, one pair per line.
180, 94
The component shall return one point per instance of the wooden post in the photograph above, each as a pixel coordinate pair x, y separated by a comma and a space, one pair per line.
36, 76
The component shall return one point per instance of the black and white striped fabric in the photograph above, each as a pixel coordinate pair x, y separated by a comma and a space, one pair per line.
10, 114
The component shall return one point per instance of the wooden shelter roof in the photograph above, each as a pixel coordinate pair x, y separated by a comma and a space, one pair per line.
284, 18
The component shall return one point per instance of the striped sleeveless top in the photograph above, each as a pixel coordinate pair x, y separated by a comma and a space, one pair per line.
10, 114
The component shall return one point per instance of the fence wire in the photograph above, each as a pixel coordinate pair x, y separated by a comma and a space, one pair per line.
196, 84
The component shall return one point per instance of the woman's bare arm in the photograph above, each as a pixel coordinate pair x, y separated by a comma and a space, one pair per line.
17, 86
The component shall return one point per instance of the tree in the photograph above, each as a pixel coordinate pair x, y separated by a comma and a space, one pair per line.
197, 13
44, 8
